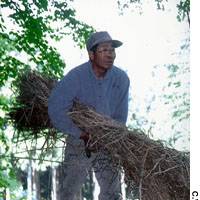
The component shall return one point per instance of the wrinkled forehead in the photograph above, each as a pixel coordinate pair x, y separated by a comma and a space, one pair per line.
105, 45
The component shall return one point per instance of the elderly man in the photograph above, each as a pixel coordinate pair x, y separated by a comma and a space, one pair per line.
100, 84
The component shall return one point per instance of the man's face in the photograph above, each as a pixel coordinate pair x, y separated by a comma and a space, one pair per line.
104, 56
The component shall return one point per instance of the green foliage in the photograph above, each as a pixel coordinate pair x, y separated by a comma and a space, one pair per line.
32, 25
183, 10
176, 91
176, 94
127, 4
183, 7
7, 172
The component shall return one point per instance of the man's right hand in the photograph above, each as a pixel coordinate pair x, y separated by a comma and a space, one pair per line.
86, 137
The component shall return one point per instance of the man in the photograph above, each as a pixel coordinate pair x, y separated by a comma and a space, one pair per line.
100, 84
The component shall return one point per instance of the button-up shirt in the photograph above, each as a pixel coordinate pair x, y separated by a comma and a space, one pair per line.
108, 95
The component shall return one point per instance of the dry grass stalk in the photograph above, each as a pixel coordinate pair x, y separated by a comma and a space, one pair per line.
160, 173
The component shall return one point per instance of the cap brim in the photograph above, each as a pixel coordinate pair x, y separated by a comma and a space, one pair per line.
116, 43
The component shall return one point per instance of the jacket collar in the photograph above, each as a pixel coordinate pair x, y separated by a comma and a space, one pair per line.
107, 75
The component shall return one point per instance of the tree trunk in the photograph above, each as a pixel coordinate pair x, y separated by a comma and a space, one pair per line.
55, 181
33, 182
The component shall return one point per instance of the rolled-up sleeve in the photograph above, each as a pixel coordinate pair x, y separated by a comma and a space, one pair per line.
61, 101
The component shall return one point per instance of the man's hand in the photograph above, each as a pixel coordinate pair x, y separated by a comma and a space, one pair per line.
86, 137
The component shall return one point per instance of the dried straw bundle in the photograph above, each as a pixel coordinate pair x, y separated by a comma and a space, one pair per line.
160, 173
30, 117
33, 92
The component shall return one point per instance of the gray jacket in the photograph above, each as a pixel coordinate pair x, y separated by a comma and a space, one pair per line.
108, 96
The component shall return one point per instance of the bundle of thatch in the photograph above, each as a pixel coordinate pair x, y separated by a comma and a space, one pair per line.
30, 111
160, 173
